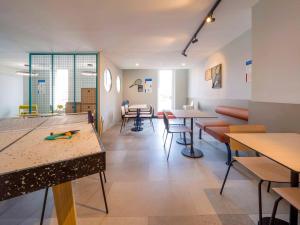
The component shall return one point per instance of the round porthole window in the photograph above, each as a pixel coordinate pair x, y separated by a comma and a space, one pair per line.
118, 84
107, 80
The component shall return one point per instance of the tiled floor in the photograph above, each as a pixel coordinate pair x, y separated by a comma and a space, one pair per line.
144, 189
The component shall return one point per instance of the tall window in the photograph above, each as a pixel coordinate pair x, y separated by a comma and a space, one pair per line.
61, 88
165, 90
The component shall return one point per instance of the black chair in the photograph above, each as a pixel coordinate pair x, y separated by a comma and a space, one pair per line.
149, 115
126, 117
174, 130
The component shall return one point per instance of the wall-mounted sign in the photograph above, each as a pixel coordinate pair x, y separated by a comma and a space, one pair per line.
148, 85
248, 70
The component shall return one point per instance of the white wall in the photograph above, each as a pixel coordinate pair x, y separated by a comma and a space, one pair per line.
181, 87
276, 51
135, 97
132, 94
232, 57
110, 102
11, 95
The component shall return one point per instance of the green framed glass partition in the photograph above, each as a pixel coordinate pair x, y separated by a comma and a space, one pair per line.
63, 82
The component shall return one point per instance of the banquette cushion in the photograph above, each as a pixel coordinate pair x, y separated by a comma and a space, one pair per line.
235, 112
218, 133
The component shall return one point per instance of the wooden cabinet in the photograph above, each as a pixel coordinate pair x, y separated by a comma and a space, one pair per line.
70, 107
88, 95
85, 107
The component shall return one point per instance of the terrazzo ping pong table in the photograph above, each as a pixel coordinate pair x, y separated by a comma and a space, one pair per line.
30, 163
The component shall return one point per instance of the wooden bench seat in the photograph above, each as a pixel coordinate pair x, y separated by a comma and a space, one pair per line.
211, 123
265, 169
218, 133
291, 195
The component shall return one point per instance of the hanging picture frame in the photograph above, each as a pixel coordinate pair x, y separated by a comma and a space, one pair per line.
216, 74
208, 74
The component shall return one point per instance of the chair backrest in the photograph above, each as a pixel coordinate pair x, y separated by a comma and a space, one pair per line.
126, 107
166, 121
123, 111
247, 128
125, 102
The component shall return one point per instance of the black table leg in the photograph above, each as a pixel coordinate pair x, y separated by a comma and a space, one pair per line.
138, 122
192, 152
184, 140
293, 210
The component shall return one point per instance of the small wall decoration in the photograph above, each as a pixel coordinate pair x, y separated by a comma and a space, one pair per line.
136, 82
140, 88
248, 70
216, 75
148, 85
208, 74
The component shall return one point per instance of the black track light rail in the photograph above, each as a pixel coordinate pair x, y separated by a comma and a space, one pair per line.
210, 13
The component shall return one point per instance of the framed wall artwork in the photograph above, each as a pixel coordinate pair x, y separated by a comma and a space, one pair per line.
140, 88
208, 74
216, 75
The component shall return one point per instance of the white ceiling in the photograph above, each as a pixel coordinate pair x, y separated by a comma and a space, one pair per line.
149, 32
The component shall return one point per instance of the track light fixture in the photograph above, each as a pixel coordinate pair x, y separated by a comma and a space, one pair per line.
195, 40
210, 19
207, 19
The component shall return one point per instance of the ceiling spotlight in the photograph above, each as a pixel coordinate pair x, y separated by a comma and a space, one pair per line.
26, 73
195, 40
210, 19
88, 74
183, 64
137, 64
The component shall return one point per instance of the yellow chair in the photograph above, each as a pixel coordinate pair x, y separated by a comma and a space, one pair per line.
24, 110
264, 168
247, 128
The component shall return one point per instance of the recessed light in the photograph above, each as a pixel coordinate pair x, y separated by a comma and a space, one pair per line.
183, 64
137, 64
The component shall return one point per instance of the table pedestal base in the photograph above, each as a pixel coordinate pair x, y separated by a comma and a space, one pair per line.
136, 129
266, 221
192, 154
181, 141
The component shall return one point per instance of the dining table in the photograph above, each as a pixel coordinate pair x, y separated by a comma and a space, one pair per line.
138, 121
283, 148
189, 150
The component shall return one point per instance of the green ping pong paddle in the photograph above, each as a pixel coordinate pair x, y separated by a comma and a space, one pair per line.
64, 135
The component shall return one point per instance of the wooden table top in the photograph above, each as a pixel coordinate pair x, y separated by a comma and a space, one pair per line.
193, 114
139, 106
283, 148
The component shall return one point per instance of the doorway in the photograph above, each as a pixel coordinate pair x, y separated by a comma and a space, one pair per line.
165, 90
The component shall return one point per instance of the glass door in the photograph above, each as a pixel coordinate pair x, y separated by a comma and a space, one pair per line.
165, 90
